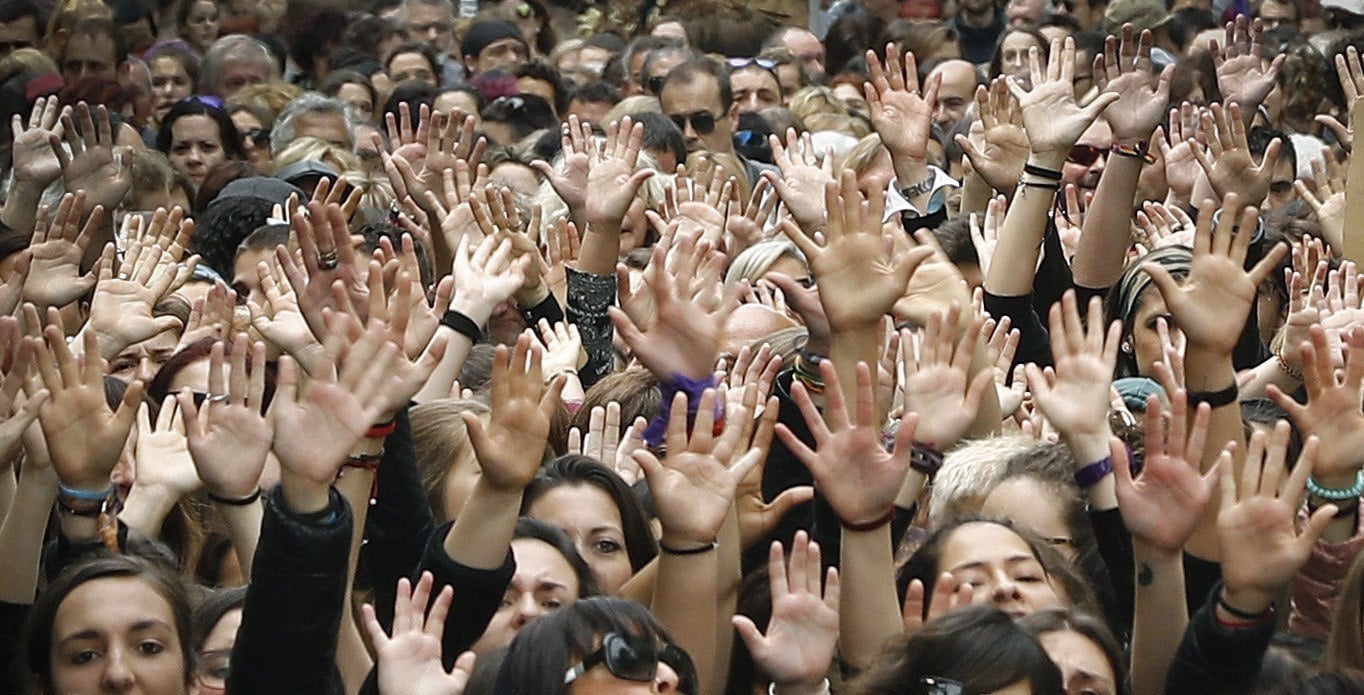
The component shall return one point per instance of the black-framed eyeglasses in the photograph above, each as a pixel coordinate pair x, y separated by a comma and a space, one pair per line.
635, 658
703, 122
1084, 155
213, 667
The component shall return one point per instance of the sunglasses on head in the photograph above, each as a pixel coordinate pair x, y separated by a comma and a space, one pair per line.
703, 122
1084, 155
635, 658
739, 63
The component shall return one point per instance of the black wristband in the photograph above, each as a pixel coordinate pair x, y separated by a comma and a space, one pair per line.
688, 551
235, 501
1215, 399
1042, 184
1237, 612
460, 323
1044, 172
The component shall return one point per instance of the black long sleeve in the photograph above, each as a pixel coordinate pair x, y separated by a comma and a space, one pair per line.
399, 521
292, 616
1214, 659
478, 594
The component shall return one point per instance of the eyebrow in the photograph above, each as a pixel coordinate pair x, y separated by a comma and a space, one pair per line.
1011, 560
92, 633
606, 527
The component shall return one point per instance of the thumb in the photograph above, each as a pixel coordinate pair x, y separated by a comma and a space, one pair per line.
166, 323
376, 632
790, 499
752, 637
1161, 278
1335, 126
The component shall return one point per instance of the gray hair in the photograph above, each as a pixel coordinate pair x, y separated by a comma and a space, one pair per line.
308, 102
233, 48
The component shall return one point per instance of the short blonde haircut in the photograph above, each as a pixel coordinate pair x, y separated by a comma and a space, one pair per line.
309, 148
754, 262
861, 156
968, 474
630, 106
30, 60
270, 96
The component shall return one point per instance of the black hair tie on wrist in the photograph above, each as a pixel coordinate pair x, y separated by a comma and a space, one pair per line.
688, 551
1044, 172
235, 501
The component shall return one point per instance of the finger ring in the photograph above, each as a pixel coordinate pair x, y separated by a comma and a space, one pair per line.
328, 260
217, 398
123, 276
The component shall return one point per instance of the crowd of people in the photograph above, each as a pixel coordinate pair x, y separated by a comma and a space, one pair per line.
928, 347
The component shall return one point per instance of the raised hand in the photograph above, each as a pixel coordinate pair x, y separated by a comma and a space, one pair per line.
948, 595
937, 385
803, 631
229, 438
317, 423
1001, 149
685, 336
409, 661
1165, 225
485, 276
328, 257
121, 311
1242, 76
745, 225
1181, 163
853, 472
985, 233
614, 177
1162, 507
1212, 303
803, 178
1351, 75
563, 348
859, 280
34, 161
57, 247
1125, 69
280, 321
17, 410
1262, 547
1227, 160
91, 166
1075, 397
695, 485
570, 179
1053, 119
509, 448
696, 203
84, 436
162, 453
1328, 200
900, 115
407, 142
1332, 412
563, 246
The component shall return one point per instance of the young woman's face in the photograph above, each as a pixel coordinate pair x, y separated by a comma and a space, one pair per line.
213, 656
116, 635
1031, 505
1145, 340
196, 145
544, 582
591, 518
1084, 668
1001, 567
170, 83
201, 25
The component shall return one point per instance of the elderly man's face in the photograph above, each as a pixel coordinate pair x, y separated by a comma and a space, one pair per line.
329, 126
237, 74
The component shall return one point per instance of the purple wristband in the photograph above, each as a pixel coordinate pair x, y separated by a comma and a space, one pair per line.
653, 434
1090, 475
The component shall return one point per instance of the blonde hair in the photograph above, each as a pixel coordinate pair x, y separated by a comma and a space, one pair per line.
66, 16
308, 148
756, 260
29, 60
861, 156
812, 100
630, 106
376, 189
968, 474
1345, 644
439, 439
270, 96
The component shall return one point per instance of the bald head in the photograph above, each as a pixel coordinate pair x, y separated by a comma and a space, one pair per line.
954, 97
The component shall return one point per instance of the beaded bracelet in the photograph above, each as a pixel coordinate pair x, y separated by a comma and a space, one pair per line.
1336, 494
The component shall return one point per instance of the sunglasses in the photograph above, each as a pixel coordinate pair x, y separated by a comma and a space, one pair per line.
937, 685
1084, 155
259, 137
703, 122
635, 658
740, 63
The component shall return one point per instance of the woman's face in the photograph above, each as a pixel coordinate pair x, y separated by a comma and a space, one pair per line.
196, 145
170, 83
1001, 567
591, 518
1031, 505
464, 102
544, 582
257, 152
359, 99
600, 681
213, 656
878, 173
1144, 340
116, 635
201, 25
1013, 53
1084, 668
790, 266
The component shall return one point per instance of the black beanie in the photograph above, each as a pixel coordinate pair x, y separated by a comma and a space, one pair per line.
483, 33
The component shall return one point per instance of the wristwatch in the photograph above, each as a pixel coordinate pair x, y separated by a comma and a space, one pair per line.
919, 188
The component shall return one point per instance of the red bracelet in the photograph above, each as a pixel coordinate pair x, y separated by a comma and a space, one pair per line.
381, 430
886, 518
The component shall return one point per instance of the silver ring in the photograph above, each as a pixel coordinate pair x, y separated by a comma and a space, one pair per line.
328, 260
123, 276
217, 398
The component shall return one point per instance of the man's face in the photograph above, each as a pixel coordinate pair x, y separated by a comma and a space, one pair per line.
788, 74
755, 89
502, 54
1275, 14
237, 74
537, 87
136, 80
695, 107
20, 33
411, 66
955, 94
807, 49
89, 55
593, 112
326, 126
434, 24
658, 70
1023, 12
1087, 158
1281, 191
